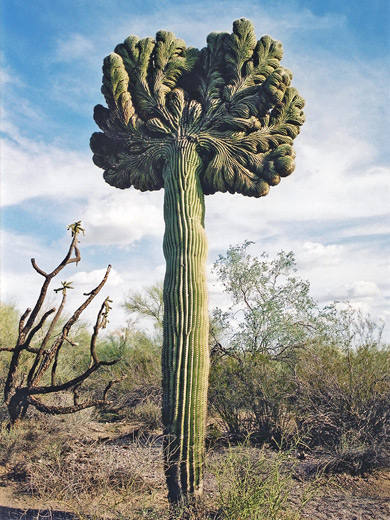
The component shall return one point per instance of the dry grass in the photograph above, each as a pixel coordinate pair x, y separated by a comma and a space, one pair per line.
64, 462
103, 472
113, 471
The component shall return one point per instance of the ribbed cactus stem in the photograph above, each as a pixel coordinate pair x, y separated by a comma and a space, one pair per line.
185, 357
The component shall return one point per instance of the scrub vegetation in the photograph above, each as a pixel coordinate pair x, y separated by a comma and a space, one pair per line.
298, 409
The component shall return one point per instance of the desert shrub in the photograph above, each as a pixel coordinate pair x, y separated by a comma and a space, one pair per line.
141, 366
250, 393
271, 316
283, 364
73, 356
140, 352
9, 320
342, 403
148, 414
38, 339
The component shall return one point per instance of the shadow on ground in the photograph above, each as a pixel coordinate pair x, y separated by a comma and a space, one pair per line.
12, 513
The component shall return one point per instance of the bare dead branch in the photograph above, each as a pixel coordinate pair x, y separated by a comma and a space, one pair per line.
76, 259
34, 313
110, 363
108, 387
62, 410
54, 322
91, 296
23, 319
48, 279
101, 321
54, 367
33, 374
38, 327
73, 343
32, 350
11, 384
55, 348
38, 270
102, 282
68, 257
77, 253
41, 390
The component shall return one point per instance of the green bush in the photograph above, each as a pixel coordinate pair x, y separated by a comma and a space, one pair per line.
250, 393
254, 486
271, 316
281, 364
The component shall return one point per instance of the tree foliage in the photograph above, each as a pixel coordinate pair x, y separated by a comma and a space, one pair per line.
271, 309
148, 303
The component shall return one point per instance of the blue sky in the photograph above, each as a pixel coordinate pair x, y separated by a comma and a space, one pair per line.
333, 212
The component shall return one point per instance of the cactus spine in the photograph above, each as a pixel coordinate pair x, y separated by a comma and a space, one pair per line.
194, 123
185, 357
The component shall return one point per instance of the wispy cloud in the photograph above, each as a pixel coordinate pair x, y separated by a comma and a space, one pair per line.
75, 48
37, 169
122, 218
93, 278
317, 253
193, 22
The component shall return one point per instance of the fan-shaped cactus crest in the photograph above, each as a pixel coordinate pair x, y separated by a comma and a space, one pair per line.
194, 123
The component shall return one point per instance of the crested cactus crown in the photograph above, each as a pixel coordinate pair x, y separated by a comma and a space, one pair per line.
233, 99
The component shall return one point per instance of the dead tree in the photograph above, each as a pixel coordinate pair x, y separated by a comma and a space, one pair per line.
24, 387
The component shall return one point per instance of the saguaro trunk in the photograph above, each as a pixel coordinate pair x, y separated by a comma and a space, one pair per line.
185, 358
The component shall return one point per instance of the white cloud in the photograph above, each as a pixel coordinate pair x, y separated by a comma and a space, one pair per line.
19, 248
20, 283
75, 47
93, 278
123, 217
315, 253
362, 289
36, 169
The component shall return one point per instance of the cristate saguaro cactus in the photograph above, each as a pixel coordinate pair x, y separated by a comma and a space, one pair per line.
194, 123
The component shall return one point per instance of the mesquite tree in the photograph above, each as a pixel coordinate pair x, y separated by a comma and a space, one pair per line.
24, 387
194, 123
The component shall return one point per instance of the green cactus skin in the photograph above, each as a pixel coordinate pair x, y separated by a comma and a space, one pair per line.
185, 357
194, 123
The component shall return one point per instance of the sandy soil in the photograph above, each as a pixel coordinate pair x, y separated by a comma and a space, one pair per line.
346, 498
353, 498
